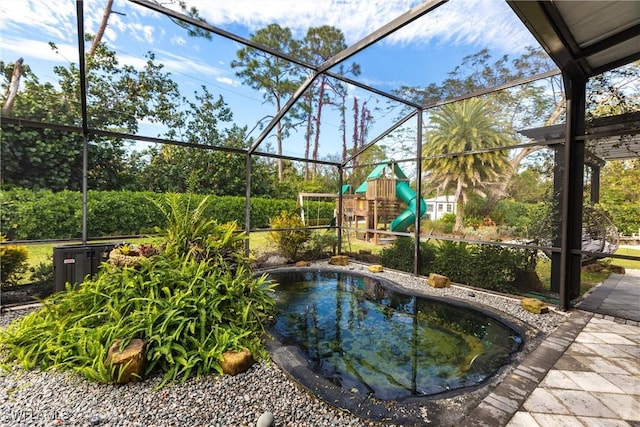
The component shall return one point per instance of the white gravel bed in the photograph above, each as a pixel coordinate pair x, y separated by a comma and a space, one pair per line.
31, 398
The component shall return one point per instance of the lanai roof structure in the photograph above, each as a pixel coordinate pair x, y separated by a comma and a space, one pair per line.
583, 38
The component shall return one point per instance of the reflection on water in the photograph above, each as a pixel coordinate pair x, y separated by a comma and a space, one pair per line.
372, 341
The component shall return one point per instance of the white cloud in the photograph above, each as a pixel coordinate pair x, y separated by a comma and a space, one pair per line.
56, 18
32, 50
489, 22
229, 81
141, 32
477, 22
178, 41
188, 66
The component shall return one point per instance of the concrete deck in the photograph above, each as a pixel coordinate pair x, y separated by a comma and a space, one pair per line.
586, 374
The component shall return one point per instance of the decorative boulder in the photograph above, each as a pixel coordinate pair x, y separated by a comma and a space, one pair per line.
126, 365
266, 420
438, 281
534, 305
376, 268
236, 362
303, 264
339, 260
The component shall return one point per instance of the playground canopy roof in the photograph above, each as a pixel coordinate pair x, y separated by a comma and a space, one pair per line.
379, 172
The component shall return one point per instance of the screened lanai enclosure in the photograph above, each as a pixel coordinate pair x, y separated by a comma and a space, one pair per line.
370, 124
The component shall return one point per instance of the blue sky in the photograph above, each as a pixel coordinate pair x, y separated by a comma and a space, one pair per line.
417, 55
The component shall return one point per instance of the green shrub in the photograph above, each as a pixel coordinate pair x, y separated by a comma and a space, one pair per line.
188, 304
318, 212
11, 202
42, 273
191, 231
525, 220
453, 260
262, 210
624, 215
496, 267
122, 213
448, 221
400, 255
289, 242
485, 266
50, 216
13, 263
320, 244
43, 214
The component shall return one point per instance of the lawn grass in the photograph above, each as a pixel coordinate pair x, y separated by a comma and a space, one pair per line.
589, 279
635, 265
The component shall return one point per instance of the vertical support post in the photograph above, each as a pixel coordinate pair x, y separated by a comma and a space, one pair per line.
375, 220
83, 109
247, 206
416, 251
573, 176
340, 214
595, 184
557, 214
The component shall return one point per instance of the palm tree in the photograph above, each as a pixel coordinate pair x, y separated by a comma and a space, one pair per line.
453, 156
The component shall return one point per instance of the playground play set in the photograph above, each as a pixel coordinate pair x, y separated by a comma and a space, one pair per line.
378, 201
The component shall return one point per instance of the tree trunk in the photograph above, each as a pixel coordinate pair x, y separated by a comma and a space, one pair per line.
343, 125
101, 28
307, 136
356, 138
316, 141
459, 225
280, 164
12, 91
364, 118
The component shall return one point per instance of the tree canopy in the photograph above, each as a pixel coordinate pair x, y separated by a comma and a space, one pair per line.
454, 161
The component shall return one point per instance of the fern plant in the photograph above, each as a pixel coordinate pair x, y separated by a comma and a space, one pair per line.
188, 303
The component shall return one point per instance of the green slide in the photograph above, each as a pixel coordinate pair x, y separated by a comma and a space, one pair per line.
408, 216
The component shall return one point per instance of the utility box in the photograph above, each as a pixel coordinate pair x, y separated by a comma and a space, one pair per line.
72, 263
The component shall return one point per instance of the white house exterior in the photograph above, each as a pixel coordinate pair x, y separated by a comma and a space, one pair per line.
438, 206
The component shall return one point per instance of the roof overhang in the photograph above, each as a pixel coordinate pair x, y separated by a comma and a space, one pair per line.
584, 38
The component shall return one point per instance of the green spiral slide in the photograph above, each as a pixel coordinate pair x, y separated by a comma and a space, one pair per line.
408, 216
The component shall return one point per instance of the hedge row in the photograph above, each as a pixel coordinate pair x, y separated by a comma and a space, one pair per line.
484, 266
43, 214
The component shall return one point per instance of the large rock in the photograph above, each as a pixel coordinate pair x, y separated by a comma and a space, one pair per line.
126, 365
534, 305
266, 420
236, 362
376, 268
339, 260
438, 281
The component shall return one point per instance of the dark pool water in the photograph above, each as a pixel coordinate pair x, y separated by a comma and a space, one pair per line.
373, 341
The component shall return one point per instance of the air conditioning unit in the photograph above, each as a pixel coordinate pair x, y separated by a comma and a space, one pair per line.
73, 263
